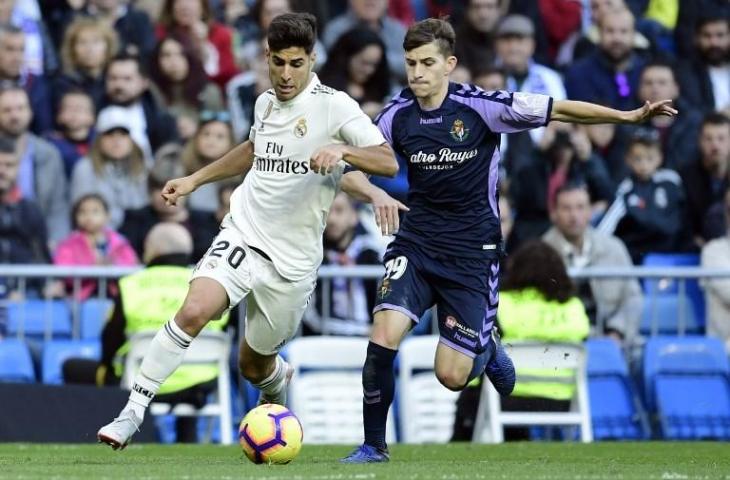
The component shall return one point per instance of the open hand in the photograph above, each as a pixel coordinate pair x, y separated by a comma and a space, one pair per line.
177, 188
649, 110
386, 212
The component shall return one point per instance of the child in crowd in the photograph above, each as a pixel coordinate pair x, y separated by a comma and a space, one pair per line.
649, 213
93, 242
75, 123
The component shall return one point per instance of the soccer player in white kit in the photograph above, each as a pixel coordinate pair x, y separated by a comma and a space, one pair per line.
304, 138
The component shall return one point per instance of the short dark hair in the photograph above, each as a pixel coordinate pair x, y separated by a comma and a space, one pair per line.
707, 19
7, 145
431, 30
537, 265
292, 30
659, 63
127, 57
715, 118
646, 137
82, 199
572, 186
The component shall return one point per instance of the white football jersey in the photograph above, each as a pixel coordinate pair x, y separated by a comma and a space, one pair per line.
281, 207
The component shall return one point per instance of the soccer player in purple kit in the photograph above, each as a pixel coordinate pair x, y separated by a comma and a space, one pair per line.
448, 248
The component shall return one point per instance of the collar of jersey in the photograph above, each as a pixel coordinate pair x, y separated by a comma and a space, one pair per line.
313, 82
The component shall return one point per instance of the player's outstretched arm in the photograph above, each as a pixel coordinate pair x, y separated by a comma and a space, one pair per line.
584, 112
376, 160
386, 208
237, 161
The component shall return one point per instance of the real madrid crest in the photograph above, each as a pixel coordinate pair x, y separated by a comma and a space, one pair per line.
458, 131
300, 129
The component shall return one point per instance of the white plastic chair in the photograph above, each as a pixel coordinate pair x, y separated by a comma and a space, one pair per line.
209, 347
427, 408
326, 390
490, 417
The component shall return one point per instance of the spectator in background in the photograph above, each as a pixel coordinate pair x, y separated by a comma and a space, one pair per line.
649, 213
613, 306
128, 88
371, 14
23, 238
678, 135
475, 34
12, 47
706, 178
39, 56
41, 175
537, 303
358, 66
690, 11
114, 168
556, 24
716, 254
139, 221
88, 47
212, 140
213, 40
242, 92
93, 242
515, 49
705, 78
75, 121
567, 156
351, 300
610, 75
135, 31
179, 75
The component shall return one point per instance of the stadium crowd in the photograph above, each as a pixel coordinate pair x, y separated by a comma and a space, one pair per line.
103, 101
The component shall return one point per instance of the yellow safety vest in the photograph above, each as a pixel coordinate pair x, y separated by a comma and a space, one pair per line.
151, 297
526, 315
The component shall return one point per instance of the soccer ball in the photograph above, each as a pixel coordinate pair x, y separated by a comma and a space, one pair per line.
270, 433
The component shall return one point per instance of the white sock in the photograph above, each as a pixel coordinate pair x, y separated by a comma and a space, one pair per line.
165, 354
273, 384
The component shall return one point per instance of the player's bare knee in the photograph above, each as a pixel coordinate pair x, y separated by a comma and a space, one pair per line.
192, 317
452, 380
252, 372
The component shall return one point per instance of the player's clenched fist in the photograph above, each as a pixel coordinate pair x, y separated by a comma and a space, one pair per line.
324, 159
176, 188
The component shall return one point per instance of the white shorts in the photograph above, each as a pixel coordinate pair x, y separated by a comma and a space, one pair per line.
274, 306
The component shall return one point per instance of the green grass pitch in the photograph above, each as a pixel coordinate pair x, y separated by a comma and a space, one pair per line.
535, 461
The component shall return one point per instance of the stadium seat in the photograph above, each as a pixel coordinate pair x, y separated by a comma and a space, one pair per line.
326, 393
56, 352
94, 313
16, 366
665, 286
491, 420
39, 318
666, 314
209, 347
687, 381
426, 408
616, 412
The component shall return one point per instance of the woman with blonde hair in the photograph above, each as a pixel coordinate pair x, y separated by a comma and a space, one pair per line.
114, 167
88, 46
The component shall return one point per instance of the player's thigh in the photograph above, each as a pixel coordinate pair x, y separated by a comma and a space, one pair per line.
275, 308
403, 296
206, 300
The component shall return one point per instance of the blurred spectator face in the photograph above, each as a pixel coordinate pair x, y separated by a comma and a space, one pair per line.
364, 63
91, 216
12, 51
369, 10
715, 145
342, 219
491, 81
713, 42
6, 10
106, 5
572, 213
643, 160
124, 82
271, 9
617, 34
187, 13
657, 83
289, 71
599, 7
483, 15
600, 134
515, 52
8, 172
76, 112
213, 140
90, 49
506, 221
116, 144
224, 198
460, 74
173, 62
15, 113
